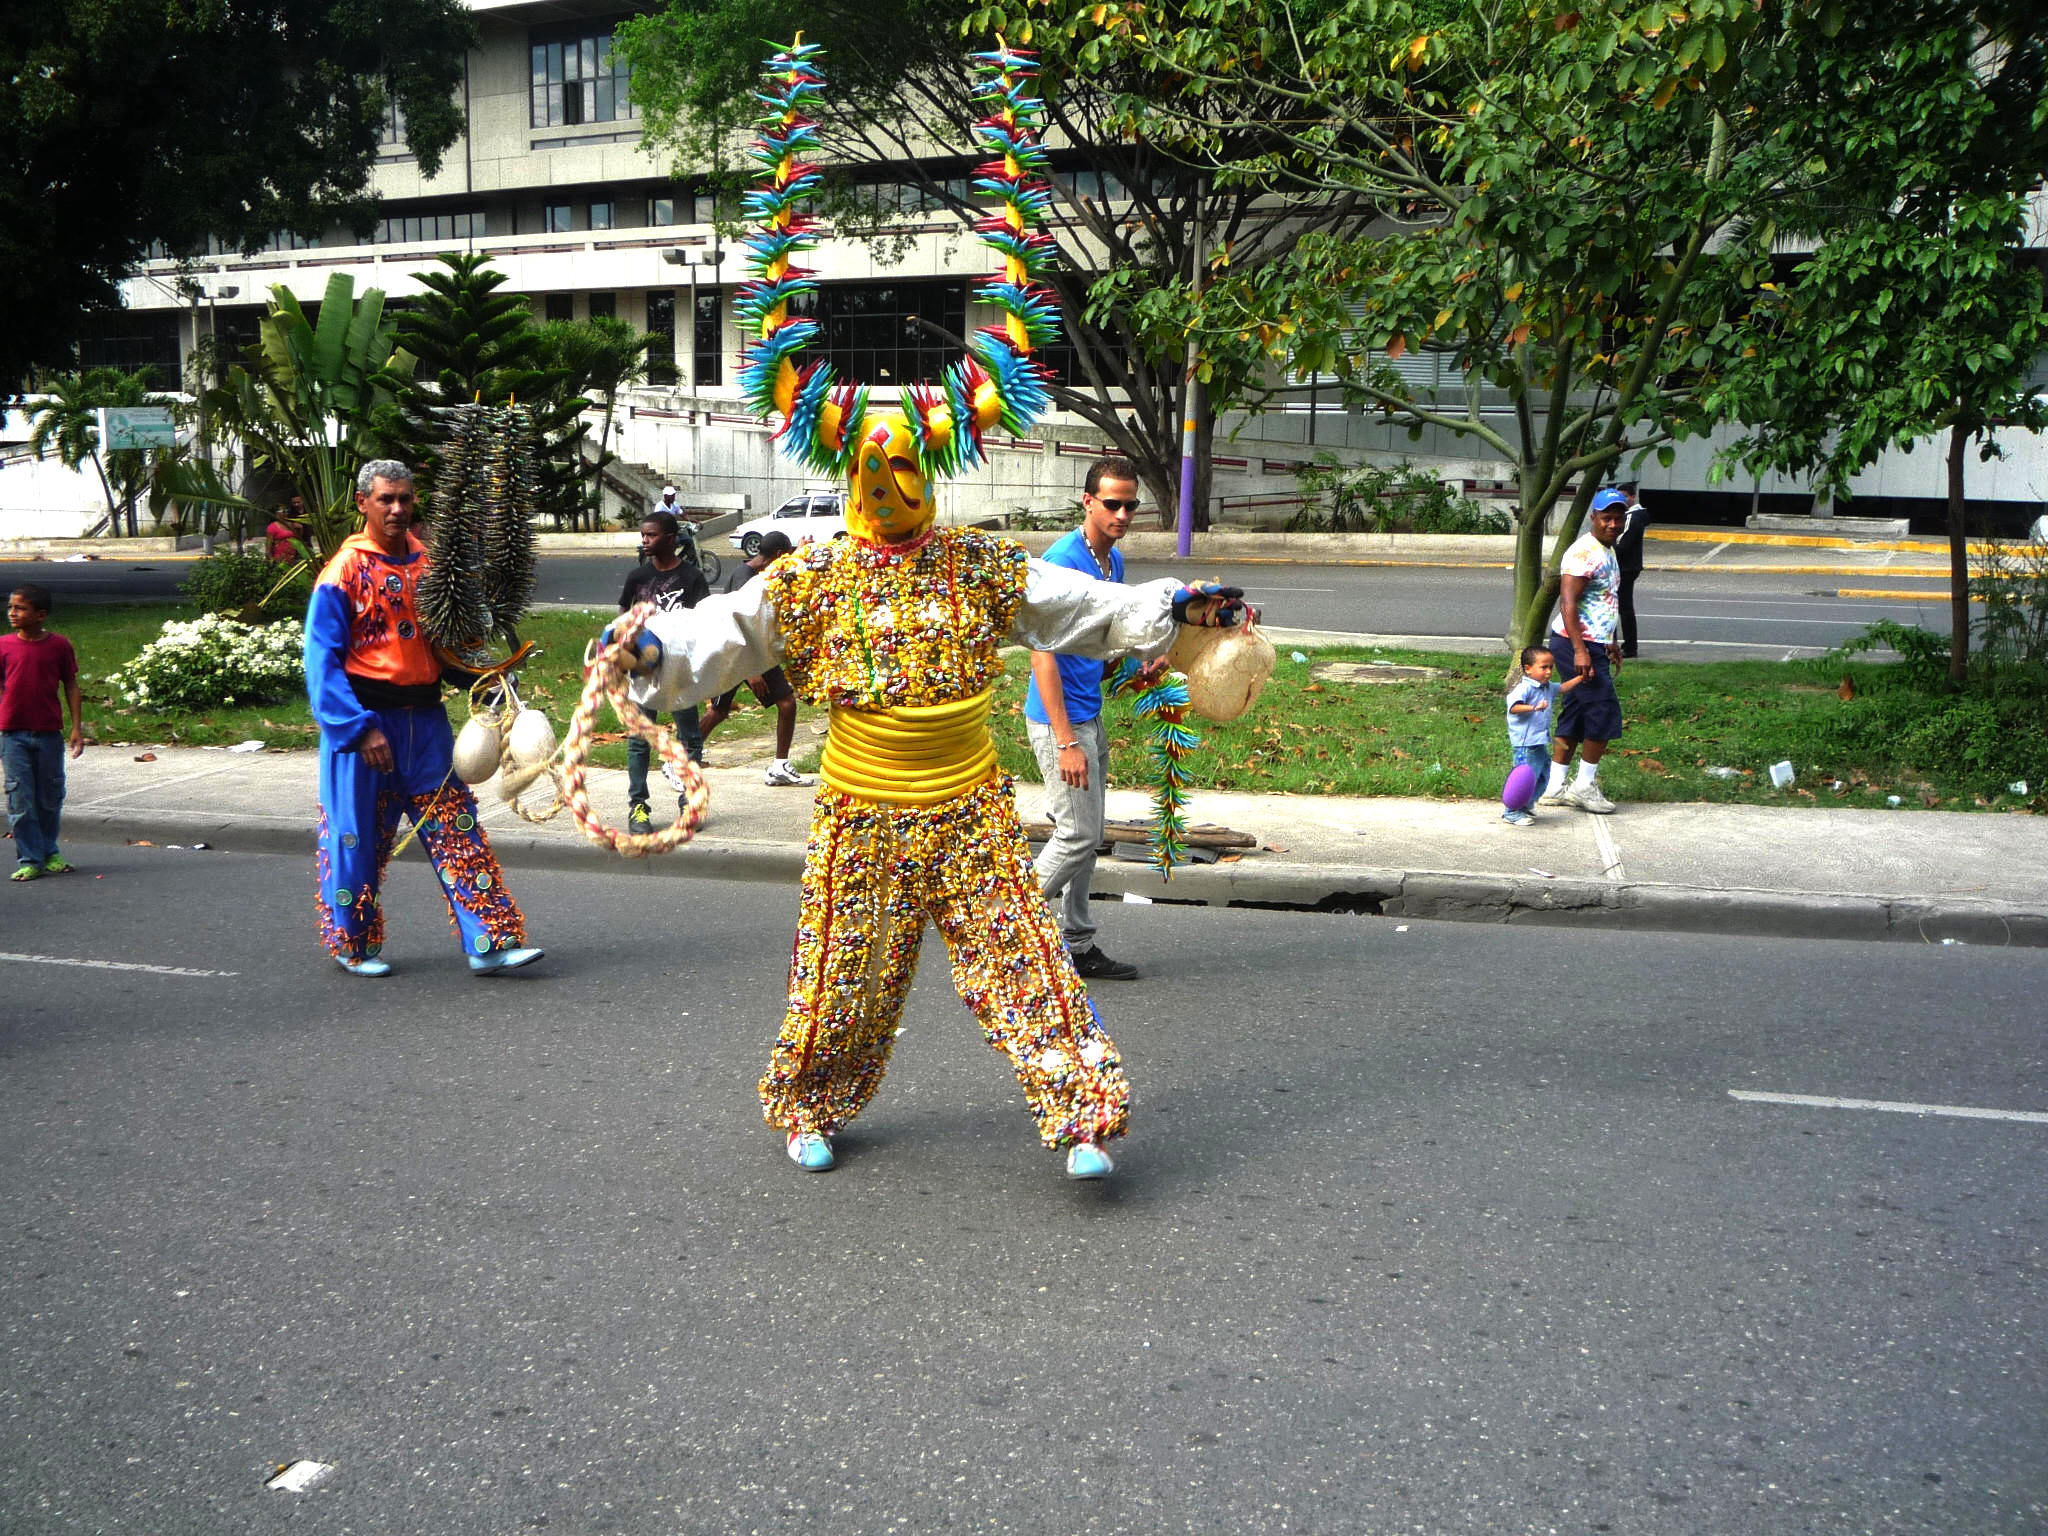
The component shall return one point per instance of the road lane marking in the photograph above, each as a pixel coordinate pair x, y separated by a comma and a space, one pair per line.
1760, 602
1610, 856
112, 965
1736, 618
1956, 1111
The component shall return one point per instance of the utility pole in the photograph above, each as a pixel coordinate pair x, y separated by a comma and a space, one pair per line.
1190, 387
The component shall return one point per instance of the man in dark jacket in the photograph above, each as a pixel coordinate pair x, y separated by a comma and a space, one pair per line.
1628, 550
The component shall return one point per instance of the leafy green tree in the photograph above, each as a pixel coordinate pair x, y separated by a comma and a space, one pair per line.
1585, 208
1571, 193
1132, 217
124, 122
65, 422
1920, 311
598, 357
464, 342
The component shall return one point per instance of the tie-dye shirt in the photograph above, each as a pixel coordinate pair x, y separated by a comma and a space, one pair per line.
1600, 598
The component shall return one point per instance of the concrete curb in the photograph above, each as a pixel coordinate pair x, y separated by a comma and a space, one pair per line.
1438, 896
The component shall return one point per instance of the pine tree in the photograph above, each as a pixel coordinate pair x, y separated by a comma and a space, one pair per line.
466, 343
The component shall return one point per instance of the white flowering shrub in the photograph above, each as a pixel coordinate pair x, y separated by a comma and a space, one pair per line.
206, 662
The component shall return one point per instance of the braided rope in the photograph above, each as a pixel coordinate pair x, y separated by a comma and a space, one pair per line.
604, 678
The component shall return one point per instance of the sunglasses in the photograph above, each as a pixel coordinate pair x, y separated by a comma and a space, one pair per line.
1115, 505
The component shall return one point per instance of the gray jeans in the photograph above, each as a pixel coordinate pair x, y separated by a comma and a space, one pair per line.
1066, 865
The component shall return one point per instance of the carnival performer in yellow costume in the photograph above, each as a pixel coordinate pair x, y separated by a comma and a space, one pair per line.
896, 630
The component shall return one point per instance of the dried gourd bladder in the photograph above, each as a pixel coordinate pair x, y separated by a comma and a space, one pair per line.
1225, 668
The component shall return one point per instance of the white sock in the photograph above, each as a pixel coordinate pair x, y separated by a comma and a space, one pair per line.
1557, 773
1588, 772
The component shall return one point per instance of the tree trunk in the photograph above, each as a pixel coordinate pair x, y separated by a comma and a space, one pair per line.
1958, 555
1536, 584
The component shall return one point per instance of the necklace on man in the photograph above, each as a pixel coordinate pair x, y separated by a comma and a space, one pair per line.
1101, 568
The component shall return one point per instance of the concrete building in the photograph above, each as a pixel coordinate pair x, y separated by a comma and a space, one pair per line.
553, 183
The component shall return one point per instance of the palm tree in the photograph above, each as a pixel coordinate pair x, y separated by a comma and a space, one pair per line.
66, 422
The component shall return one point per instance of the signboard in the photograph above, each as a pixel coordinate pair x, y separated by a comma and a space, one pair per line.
136, 426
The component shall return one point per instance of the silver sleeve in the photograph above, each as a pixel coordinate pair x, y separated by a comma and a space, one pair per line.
714, 646
1064, 610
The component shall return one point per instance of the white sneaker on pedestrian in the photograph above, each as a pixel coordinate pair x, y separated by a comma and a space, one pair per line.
782, 771
1562, 795
1587, 797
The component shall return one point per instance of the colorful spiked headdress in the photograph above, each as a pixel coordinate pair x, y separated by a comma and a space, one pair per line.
824, 419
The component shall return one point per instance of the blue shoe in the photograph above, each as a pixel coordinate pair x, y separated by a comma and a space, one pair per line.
810, 1151
1085, 1160
369, 965
503, 960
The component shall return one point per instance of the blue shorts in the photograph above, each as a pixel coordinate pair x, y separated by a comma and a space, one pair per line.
1591, 711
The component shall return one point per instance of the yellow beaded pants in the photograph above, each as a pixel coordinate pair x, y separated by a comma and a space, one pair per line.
873, 875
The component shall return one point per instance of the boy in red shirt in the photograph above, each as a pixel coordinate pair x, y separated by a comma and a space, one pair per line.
35, 664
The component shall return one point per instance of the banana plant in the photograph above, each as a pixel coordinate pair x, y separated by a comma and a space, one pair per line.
302, 406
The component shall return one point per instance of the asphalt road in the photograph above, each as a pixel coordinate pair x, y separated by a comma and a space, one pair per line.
1683, 615
1404, 1240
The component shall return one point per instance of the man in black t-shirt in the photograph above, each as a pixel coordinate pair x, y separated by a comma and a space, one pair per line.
668, 581
771, 688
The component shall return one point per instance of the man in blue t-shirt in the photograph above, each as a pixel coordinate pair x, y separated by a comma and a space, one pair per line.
1063, 714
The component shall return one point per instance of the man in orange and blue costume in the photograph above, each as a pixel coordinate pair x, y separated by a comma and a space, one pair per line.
386, 749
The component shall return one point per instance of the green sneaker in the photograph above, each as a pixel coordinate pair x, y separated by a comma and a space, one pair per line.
639, 818
27, 872
57, 864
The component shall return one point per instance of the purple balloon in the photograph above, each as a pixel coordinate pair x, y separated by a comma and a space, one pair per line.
1519, 793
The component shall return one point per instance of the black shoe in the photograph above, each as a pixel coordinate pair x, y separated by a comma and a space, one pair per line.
638, 819
1093, 965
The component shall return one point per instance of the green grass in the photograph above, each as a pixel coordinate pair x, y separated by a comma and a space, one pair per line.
1446, 737
1442, 737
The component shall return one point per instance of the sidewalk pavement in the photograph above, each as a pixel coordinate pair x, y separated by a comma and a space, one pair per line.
1792, 872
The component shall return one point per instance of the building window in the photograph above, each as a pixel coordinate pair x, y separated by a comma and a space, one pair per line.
661, 210
876, 333
600, 215
404, 229
560, 218
560, 306
661, 332
707, 360
391, 131
605, 304
578, 79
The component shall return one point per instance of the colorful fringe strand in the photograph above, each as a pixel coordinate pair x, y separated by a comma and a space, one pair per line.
1166, 704
1000, 382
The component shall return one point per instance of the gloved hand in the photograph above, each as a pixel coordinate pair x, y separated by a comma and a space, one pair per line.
650, 650
1211, 605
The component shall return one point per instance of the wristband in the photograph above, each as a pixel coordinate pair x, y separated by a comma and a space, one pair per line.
1066, 744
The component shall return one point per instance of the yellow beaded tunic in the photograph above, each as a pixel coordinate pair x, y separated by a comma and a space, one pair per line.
913, 823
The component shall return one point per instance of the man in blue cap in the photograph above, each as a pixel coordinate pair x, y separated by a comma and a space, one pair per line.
1585, 639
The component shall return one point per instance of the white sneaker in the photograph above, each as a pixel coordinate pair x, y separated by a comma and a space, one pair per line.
782, 771
1562, 795
1587, 797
